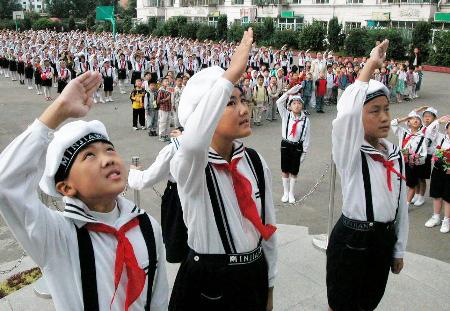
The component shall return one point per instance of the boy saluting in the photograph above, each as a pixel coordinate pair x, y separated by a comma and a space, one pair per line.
370, 237
102, 252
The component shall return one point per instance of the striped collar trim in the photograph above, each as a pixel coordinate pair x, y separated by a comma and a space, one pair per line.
393, 150
79, 213
238, 152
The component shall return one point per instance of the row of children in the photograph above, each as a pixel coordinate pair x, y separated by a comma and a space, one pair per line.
225, 194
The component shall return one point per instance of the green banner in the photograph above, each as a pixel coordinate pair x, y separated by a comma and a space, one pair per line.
104, 13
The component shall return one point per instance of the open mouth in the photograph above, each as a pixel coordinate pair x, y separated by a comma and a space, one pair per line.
114, 174
245, 121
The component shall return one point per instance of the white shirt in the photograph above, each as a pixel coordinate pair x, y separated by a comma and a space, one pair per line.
188, 168
417, 142
50, 237
431, 133
288, 119
348, 142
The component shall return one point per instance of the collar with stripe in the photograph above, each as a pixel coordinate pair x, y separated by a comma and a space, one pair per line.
392, 150
79, 213
238, 152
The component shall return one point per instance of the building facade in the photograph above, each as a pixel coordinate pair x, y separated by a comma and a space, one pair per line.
292, 14
32, 5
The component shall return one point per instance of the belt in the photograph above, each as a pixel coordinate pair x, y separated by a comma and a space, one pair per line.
296, 143
359, 225
227, 259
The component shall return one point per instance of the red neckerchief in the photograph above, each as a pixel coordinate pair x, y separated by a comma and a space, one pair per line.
243, 190
294, 127
124, 256
406, 140
389, 165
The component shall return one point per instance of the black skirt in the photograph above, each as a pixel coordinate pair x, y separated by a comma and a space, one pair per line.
122, 74
61, 85
290, 156
37, 78
29, 72
12, 65
47, 82
108, 84
21, 68
358, 264
440, 183
205, 282
425, 169
412, 175
174, 230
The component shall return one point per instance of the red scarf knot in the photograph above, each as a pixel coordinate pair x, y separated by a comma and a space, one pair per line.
243, 190
124, 255
294, 128
389, 165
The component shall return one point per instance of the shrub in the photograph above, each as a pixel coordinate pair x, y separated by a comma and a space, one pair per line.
43, 23
353, 42
397, 43
335, 36
222, 27
189, 30
235, 32
140, 29
439, 55
206, 32
285, 37
421, 37
312, 37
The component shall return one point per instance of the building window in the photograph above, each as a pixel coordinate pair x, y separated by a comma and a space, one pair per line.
237, 2
212, 20
403, 24
190, 3
268, 2
38, 6
355, 1
292, 1
323, 23
293, 23
409, 1
351, 25
321, 1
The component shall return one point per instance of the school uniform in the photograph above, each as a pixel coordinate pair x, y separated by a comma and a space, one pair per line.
430, 132
47, 72
440, 180
78, 262
411, 143
174, 230
37, 74
138, 67
122, 69
295, 134
373, 228
108, 79
63, 78
229, 266
29, 70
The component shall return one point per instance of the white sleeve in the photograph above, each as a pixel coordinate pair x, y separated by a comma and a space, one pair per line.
270, 246
160, 290
398, 130
281, 105
192, 157
36, 227
432, 131
348, 130
402, 224
307, 135
158, 171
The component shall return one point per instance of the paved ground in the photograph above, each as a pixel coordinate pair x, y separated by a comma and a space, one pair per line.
300, 285
19, 106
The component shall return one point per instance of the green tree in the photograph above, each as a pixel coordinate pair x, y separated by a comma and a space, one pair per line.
152, 23
421, 37
235, 32
285, 37
440, 55
397, 44
222, 27
127, 24
312, 36
131, 8
43, 23
353, 42
335, 36
141, 28
90, 21
206, 32
81, 8
72, 24
189, 30
7, 7
58, 8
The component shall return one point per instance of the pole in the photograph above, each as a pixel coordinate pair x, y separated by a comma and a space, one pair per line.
137, 198
17, 25
321, 241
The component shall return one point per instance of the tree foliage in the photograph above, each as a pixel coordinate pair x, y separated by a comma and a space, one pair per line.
7, 7
440, 55
353, 42
312, 37
285, 37
235, 32
335, 36
421, 37
222, 27
205, 32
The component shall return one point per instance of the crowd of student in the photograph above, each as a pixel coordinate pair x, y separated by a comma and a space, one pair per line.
218, 217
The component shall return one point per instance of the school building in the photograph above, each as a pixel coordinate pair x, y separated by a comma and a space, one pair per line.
292, 14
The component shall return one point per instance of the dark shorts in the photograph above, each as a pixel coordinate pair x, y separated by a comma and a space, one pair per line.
440, 184
61, 85
290, 157
358, 264
425, 169
205, 283
122, 74
174, 230
47, 82
108, 84
412, 175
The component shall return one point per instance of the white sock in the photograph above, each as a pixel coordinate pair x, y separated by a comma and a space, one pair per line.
285, 185
292, 182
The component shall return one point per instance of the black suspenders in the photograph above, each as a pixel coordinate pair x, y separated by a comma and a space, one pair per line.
368, 188
287, 125
87, 264
420, 144
303, 128
217, 203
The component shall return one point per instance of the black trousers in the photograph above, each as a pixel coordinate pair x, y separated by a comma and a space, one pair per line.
358, 264
212, 285
174, 230
290, 156
139, 113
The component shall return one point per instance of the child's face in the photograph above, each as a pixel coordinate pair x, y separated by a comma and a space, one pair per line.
147, 77
273, 80
260, 81
376, 118
308, 76
165, 82
179, 82
246, 82
98, 173
152, 86
296, 107
414, 123
428, 117
235, 121
321, 75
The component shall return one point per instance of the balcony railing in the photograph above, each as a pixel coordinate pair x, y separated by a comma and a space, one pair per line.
407, 1
270, 2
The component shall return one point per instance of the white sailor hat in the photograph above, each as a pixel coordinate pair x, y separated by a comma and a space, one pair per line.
196, 87
414, 114
294, 98
376, 89
431, 110
62, 151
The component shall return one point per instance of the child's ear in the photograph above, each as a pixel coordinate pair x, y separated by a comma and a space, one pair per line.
66, 189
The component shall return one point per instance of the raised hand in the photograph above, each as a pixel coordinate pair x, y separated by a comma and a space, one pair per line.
295, 89
378, 54
75, 101
240, 58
